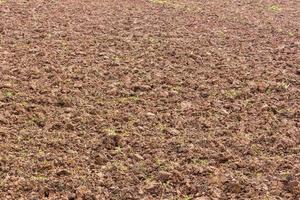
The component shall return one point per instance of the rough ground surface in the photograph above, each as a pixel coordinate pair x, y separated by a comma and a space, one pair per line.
138, 99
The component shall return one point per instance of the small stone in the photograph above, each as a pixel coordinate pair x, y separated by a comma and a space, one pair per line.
100, 175
204, 94
172, 131
63, 172
141, 88
70, 127
112, 141
152, 186
70, 151
185, 105
298, 71
81, 191
165, 94
138, 156
292, 185
113, 91
34, 197
3, 120
6, 85
72, 196
78, 85
234, 187
174, 92
262, 87
202, 198
68, 110
46, 192
100, 160
89, 196
265, 107
165, 176
151, 115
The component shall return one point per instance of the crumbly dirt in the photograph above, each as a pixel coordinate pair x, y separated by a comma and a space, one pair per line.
149, 99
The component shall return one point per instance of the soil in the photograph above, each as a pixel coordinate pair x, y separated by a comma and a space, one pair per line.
149, 99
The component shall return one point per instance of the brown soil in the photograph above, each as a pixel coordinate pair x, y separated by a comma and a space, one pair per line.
149, 99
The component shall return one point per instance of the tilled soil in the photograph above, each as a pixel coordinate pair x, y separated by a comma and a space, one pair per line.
149, 99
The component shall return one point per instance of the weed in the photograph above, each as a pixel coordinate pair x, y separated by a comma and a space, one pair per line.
110, 131
159, 1
232, 94
167, 185
129, 99
283, 85
220, 33
290, 33
134, 98
8, 94
200, 161
275, 8
101, 102
120, 166
159, 161
247, 103
161, 127
1, 181
40, 177
177, 88
38, 121
118, 149
187, 197
154, 40
256, 150
267, 197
